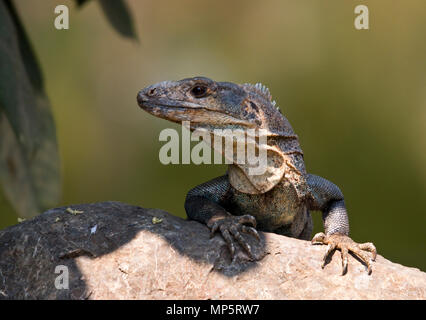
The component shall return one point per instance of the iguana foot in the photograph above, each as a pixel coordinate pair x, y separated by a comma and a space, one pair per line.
231, 227
345, 244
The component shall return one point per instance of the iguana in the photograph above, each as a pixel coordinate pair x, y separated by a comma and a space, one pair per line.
280, 199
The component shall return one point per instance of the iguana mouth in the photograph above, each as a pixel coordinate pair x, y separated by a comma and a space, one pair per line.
179, 111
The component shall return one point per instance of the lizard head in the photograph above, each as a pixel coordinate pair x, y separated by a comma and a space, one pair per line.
202, 101
211, 105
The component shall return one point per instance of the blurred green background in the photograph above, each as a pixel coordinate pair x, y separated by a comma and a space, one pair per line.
357, 100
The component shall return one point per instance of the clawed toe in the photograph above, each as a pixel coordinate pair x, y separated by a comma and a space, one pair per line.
330, 248
368, 246
346, 245
247, 219
231, 229
237, 236
319, 238
362, 256
252, 231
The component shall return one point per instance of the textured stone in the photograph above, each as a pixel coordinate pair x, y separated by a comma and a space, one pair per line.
118, 251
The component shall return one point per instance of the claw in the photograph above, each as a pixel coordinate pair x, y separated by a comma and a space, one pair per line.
214, 229
330, 248
364, 258
241, 241
230, 228
346, 244
228, 239
344, 254
368, 246
252, 231
248, 219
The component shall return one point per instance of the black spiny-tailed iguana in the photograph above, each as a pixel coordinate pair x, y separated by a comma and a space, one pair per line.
279, 200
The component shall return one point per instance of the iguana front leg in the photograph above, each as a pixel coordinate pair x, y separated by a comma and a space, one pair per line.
328, 198
203, 205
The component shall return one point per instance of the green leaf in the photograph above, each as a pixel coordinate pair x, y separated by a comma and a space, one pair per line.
29, 161
29, 59
81, 2
119, 17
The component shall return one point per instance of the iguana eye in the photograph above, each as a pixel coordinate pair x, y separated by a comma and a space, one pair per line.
199, 91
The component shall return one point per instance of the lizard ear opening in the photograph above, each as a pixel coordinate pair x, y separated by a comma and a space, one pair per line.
242, 179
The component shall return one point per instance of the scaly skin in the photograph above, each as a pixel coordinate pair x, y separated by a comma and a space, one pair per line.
278, 200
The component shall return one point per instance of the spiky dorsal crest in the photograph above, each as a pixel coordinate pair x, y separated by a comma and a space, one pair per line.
263, 91
259, 89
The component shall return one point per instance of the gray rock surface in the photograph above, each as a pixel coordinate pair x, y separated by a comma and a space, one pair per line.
117, 251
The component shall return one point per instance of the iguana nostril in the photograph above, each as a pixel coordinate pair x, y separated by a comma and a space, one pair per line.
145, 94
141, 98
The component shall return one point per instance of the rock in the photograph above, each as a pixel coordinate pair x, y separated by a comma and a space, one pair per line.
112, 250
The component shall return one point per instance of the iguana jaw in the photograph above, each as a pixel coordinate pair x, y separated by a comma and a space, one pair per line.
199, 114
